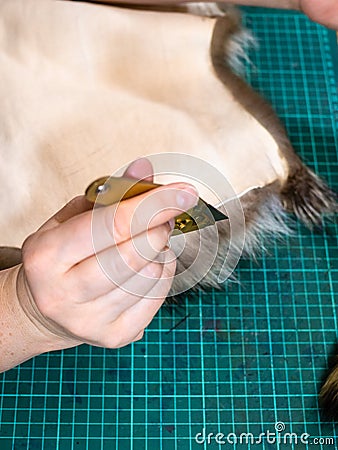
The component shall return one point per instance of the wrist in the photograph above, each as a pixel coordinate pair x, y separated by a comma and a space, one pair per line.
24, 330
53, 334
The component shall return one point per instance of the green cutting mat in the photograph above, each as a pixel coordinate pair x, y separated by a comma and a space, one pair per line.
234, 361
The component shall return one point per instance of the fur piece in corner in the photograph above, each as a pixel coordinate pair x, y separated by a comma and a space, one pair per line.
328, 397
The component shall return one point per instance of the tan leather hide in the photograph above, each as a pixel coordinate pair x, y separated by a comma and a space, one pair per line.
87, 88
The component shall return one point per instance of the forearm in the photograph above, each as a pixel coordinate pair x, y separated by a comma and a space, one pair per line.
284, 4
20, 337
324, 12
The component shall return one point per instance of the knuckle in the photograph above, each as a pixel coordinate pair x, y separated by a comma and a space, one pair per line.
160, 237
33, 255
40, 252
117, 223
116, 261
112, 336
121, 334
135, 220
127, 261
117, 229
113, 342
170, 268
161, 290
153, 270
139, 336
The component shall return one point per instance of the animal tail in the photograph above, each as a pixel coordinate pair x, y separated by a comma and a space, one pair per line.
307, 196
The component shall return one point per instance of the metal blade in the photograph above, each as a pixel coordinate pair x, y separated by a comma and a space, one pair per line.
110, 190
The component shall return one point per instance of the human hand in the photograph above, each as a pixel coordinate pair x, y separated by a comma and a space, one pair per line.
65, 292
324, 12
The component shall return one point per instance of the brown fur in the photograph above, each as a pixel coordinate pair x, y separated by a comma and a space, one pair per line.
328, 398
303, 193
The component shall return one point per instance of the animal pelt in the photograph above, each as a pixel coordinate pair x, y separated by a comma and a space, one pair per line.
76, 105
241, 133
86, 88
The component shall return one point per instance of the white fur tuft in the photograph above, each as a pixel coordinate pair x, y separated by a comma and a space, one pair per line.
237, 50
270, 221
205, 9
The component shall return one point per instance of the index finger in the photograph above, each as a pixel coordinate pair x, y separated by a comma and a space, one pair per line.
112, 225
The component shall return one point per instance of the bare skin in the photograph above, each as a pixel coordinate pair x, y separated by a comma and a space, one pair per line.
60, 297
324, 12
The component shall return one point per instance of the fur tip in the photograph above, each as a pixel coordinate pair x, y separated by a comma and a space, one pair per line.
309, 198
238, 47
205, 9
239, 41
264, 218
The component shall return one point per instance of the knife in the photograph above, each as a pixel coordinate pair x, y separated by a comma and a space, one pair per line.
109, 190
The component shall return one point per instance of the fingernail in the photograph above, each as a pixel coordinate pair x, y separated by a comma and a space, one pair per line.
187, 198
171, 223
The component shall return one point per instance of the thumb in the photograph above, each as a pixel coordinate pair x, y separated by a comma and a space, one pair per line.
141, 169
